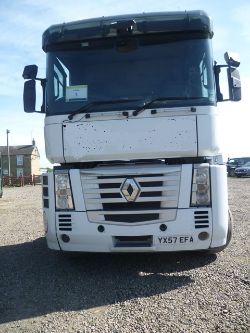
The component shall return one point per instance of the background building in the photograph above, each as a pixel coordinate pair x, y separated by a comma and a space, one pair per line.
24, 160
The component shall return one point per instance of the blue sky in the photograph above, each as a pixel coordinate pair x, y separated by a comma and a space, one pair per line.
22, 23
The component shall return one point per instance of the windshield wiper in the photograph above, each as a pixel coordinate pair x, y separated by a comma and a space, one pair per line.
160, 99
87, 107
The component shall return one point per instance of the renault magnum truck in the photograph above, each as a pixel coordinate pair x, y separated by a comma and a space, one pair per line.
130, 106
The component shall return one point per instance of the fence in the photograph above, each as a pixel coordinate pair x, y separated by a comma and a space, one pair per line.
22, 180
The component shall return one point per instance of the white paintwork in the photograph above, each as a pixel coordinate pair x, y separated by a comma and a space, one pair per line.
128, 139
208, 140
53, 141
110, 136
219, 196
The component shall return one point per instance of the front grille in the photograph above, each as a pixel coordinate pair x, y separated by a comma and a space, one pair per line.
119, 206
156, 201
64, 222
201, 219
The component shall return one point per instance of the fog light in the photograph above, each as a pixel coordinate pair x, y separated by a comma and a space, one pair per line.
203, 235
101, 228
65, 238
163, 227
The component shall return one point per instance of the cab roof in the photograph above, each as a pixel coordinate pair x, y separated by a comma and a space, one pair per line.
144, 23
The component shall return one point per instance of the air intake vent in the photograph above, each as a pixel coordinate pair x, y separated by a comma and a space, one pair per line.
201, 219
45, 192
45, 180
64, 222
133, 241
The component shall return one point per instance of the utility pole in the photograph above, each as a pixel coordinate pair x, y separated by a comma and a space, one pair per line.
8, 151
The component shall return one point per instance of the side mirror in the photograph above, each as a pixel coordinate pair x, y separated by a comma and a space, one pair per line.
30, 72
29, 96
234, 84
232, 59
233, 76
29, 92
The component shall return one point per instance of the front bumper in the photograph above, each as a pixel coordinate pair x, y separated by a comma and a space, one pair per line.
182, 233
242, 173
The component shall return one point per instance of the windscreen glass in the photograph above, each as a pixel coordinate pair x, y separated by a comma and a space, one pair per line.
131, 70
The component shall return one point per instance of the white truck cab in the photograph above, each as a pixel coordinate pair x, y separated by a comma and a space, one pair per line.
130, 106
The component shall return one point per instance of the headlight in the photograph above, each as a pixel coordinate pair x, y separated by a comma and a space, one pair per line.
63, 190
201, 186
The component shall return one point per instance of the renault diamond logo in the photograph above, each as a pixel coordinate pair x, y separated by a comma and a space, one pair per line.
130, 189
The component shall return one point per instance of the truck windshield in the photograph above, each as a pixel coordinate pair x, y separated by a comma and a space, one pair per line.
130, 70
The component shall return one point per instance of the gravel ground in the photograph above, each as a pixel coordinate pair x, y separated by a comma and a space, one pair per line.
45, 291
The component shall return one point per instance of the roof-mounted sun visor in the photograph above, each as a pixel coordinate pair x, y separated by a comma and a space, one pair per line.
135, 24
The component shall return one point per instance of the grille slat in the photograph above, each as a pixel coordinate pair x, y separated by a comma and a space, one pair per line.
144, 211
143, 189
139, 179
140, 199
162, 215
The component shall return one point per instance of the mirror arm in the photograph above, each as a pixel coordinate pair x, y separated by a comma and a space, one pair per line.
217, 82
43, 84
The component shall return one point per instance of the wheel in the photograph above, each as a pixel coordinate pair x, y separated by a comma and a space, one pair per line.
231, 173
229, 237
238, 176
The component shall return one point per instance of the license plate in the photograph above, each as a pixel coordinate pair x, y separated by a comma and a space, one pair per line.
171, 240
